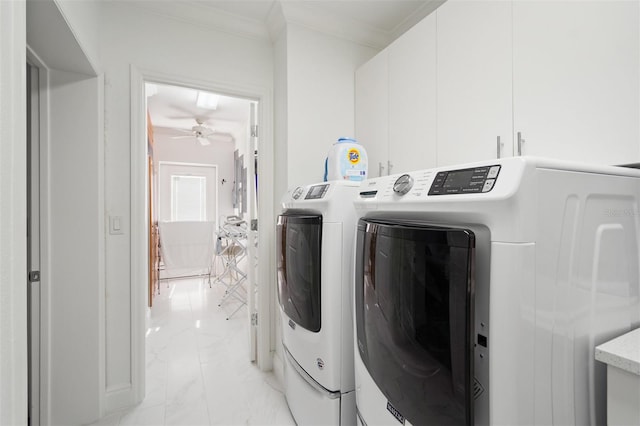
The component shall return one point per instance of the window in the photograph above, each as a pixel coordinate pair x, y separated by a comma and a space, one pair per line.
188, 198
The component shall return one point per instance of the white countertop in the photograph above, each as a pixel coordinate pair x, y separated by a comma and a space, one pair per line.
622, 352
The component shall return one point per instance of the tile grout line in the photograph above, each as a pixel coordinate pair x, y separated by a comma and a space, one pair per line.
204, 385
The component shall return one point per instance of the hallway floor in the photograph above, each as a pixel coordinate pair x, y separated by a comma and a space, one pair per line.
198, 372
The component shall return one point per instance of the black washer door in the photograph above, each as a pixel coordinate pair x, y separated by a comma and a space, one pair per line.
414, 316
299, 249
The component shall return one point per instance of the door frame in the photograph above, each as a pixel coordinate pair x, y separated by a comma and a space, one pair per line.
42, 394
139, 223
33, 239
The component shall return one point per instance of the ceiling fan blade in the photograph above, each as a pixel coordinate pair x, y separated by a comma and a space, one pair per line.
221, 137
182, 137
180, 117
194, 112
171, 131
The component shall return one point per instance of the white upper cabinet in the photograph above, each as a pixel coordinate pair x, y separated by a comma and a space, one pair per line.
576, 72
412, 99
474, 81
372, 112
565, 75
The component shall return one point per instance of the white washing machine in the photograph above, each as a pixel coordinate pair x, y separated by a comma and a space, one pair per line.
481, 291
315, 237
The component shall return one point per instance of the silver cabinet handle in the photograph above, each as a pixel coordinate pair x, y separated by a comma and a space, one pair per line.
499, 148
520, 142
389, 167
380, 169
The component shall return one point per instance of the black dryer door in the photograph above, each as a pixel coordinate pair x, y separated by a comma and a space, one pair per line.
414, 316
299, 249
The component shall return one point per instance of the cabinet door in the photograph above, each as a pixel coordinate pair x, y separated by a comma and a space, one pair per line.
576, 74
474, 81
412, 99
372, 112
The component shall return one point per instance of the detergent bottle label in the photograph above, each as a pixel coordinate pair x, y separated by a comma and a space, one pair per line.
354, 156
351, 165
347, 160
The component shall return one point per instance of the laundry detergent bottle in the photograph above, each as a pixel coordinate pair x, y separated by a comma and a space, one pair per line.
347, 160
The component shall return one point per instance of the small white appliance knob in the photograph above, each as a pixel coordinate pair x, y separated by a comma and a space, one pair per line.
297, 193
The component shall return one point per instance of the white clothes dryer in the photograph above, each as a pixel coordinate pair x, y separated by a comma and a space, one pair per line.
314, 238
481, 291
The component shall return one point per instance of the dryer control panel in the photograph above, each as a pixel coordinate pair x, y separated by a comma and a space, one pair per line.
317, 192
465, 181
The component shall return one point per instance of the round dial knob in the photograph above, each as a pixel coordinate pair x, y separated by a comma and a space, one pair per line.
403, 184
297, 193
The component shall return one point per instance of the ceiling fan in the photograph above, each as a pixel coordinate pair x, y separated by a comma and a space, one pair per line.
199, 131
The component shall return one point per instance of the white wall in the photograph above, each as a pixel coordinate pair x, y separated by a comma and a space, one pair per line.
162, 46
76, 277
219, 154
320, 98
280, 178
72, 234
314, 105
13, 189
63, 34
82, 18
280, 113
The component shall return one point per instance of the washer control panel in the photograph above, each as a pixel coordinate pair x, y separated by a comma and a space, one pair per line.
465, 181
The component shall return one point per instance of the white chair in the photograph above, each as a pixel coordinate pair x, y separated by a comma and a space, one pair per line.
232, 250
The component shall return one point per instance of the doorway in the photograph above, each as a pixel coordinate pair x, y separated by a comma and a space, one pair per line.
225, 136
263, 330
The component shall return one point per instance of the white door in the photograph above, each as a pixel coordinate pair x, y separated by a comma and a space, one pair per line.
474, 81
251, 157
372, 111
575, 80
412, 99
187, 192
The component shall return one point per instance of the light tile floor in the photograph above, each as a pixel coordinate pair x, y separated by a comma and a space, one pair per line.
198, 369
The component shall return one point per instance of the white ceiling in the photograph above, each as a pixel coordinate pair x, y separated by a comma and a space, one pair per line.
174, 112
174, 108
384, 15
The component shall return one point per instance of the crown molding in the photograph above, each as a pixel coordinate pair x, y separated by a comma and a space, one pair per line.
281, 14
346, 28
276, 22
427, 8
206, 17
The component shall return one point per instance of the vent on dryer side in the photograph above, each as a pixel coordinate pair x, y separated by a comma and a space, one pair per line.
477, 389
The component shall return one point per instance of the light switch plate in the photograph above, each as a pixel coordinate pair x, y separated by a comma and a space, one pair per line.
116, 225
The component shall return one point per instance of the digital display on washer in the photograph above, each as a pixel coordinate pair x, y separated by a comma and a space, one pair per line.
465, 181
458, 178
316, 192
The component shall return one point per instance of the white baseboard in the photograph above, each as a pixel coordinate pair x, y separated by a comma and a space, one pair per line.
119, 398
